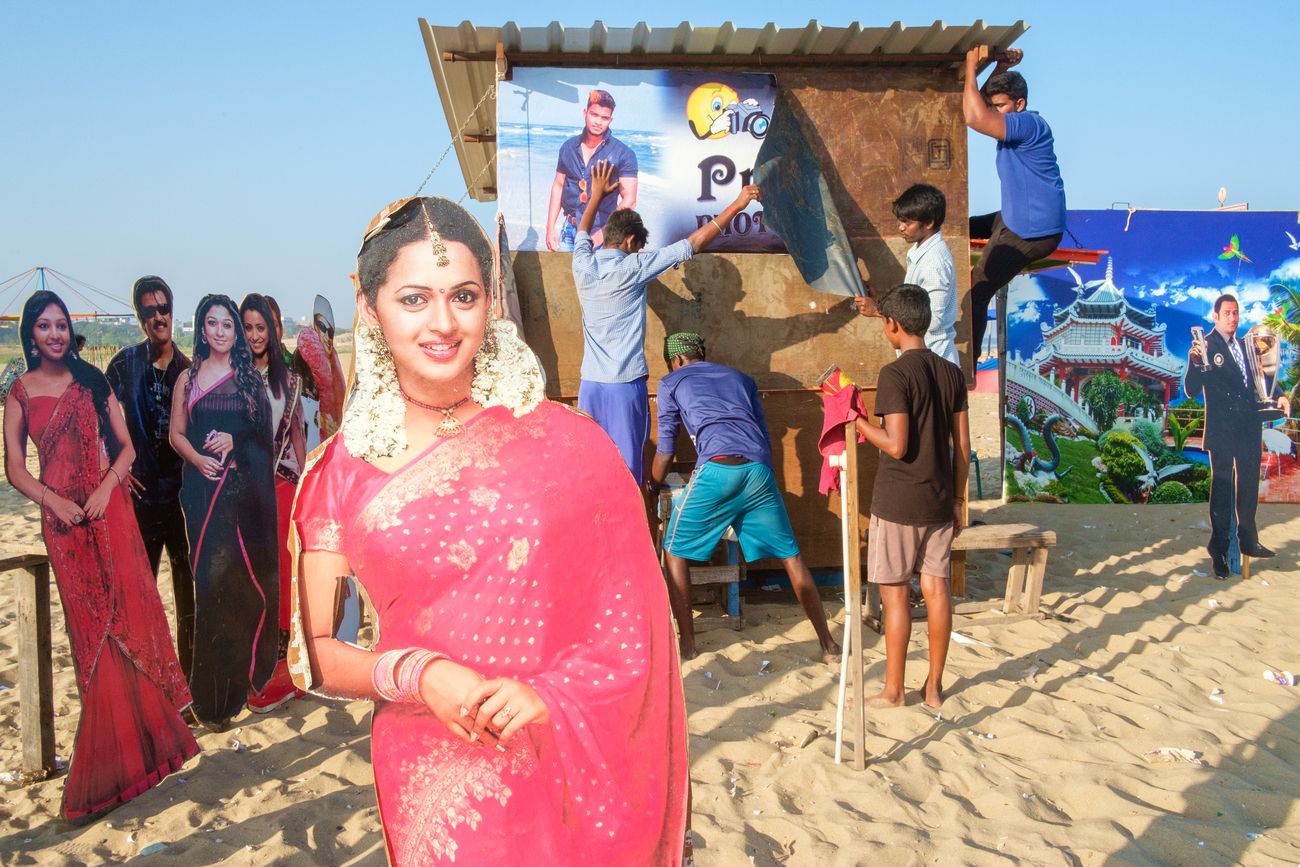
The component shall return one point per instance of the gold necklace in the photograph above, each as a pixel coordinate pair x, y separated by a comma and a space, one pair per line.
450, 426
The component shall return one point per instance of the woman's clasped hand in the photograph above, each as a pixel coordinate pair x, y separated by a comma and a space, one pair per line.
478, 710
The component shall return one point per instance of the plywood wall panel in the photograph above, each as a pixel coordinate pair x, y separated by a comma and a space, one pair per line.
873, 131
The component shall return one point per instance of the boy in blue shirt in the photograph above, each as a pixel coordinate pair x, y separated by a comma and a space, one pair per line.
920, 490
1032, 219
732, 485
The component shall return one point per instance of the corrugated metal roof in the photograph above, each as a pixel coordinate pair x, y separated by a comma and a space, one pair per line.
464, 84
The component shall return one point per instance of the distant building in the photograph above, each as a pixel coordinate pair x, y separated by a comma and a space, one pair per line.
1099, 331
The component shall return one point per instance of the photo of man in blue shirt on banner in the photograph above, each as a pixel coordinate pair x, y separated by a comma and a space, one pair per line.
572, 186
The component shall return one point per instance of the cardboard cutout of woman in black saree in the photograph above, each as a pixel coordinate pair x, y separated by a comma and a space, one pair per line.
221, 427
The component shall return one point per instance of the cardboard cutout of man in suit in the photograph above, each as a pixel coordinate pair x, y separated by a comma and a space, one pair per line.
1232, 432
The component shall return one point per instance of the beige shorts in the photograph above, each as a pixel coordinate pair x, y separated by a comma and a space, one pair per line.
896, 551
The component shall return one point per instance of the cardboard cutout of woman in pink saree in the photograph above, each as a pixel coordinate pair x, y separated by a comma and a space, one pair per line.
529, 706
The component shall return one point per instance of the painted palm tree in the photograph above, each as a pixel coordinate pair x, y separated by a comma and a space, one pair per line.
1284, 321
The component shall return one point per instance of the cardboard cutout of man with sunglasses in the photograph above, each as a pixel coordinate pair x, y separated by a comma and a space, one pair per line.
143, 377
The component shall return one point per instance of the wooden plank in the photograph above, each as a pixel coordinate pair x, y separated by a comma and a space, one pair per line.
853, 617
755, 310
1037, 572
736, 62
701, 575
1016, 580
957, 575
705, 622
875, 617
35, 672
1245, 567
22, 561
993, 536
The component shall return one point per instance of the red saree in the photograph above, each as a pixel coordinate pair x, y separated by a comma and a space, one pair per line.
520, 549
131, 734
327, 373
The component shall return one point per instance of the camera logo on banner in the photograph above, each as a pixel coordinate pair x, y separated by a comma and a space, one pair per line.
714, 110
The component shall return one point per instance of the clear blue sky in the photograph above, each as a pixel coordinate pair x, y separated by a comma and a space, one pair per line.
240, 147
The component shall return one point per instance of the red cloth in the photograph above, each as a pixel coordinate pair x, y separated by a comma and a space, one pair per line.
131, 734
284, 491
837, 410
472, 549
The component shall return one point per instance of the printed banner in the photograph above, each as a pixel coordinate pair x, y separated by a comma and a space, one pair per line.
1095, 404
682, 144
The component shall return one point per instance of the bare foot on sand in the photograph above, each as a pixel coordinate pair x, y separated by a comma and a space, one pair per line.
883, 701
832, 655
933, 697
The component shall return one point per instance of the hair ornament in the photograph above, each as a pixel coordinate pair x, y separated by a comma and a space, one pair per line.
435, 240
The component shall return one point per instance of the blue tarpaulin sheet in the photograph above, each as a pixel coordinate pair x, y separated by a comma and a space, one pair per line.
797, 206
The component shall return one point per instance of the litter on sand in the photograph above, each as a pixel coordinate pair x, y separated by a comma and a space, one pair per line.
1174, 754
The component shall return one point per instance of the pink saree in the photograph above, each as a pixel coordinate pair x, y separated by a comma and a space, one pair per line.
519, 549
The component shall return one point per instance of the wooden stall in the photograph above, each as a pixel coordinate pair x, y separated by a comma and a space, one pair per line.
882, 106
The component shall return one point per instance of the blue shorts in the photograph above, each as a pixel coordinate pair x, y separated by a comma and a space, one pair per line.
741, 496
622, 409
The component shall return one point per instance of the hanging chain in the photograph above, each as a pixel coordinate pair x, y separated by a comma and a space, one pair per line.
487, 164
490, 93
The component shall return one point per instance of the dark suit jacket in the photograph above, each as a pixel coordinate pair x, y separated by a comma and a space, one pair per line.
1230, 404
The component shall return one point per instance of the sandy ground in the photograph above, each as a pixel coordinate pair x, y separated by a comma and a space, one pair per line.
1037, 757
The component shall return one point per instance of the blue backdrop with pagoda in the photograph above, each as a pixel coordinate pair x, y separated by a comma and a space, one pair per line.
1097, 353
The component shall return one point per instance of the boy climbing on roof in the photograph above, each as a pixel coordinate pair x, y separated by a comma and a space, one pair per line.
919, 496
1032, 219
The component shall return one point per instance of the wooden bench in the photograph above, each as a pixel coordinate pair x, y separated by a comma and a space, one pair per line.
35, 671
1029, 546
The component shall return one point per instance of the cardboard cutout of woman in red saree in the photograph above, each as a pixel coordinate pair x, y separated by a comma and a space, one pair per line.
317, 361
130, 735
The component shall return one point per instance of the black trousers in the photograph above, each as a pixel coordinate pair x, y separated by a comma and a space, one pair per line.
163, 526
1234, 486
1005, 256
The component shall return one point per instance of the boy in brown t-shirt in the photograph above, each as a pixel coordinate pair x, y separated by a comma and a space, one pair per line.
920, 490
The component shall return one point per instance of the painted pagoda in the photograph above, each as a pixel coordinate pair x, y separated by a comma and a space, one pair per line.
1100, 330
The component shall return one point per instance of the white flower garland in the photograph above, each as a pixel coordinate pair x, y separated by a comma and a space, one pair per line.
506, 371
373, 424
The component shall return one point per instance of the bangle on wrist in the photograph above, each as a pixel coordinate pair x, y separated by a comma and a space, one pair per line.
115, 472
45, 489
397, 673
716, 226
